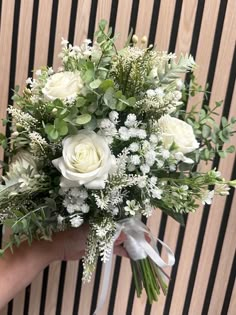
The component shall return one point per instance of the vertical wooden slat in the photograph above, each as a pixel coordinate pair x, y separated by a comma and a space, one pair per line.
62, 29
164, 24
103, 11
43, 31
122, 21
82, 21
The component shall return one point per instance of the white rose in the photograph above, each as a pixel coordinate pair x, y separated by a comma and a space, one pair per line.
86, 160
179, 132
63, 85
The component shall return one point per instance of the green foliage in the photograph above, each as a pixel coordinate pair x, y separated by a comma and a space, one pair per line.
212, 137
170, 71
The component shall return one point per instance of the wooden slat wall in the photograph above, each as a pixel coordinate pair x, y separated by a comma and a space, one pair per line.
203, 278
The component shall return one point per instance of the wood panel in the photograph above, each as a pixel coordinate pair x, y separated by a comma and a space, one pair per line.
205, 248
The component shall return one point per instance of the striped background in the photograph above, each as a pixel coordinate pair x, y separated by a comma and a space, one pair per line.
203, 278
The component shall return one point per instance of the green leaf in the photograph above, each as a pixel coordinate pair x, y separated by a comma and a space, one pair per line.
58, 103
95, 84
49, 128
80, 101
83, 119
230, 149
61, 126
89, 75
224, 121
131, 101
222, 154
206, 131
233, 120
106, 84
121, 106
54, 134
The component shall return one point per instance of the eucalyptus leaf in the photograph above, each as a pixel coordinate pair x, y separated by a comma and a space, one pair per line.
83, 119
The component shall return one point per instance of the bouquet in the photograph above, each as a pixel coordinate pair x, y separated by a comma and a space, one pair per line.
107, 139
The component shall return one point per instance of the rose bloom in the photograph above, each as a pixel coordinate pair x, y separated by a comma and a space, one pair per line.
179, 132
63, 85
86, 160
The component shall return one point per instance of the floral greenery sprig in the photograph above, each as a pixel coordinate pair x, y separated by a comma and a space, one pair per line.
105, 139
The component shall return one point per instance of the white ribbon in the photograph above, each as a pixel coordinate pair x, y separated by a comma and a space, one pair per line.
138, 248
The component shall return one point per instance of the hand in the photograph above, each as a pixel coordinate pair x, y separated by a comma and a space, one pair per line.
71, 244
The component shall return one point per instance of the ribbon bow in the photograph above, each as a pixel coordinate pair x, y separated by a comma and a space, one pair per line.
138, 248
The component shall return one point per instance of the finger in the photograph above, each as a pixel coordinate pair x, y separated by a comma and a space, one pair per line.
122, 237
120, 251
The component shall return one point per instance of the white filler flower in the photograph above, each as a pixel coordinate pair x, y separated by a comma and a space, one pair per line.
179, 132
63, 85
86, 160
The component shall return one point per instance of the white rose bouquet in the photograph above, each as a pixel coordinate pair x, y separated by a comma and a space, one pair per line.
107, 140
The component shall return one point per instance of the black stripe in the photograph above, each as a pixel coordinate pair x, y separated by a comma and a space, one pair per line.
10, 308
92, 19
27, 300
228, 203
113, 15
14, 45
204, 220
131, 298
52, 32
0, 13
195, 37
230, 287
33, 36
216, 45
98, 274
175, 25
154, 21
61, 287
44, 291
114, 285
134, 15
78, 288
1, 231
73, 14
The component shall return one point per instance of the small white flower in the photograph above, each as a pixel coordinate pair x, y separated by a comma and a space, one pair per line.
179, 84
131, 120
207, 197
124, 133
165, 154
132, 208
150, 157
50, 71
134, 147
135, 159
114, 116
153, 139
141, 134
159, 92
115, 210
29, 81
76, 221
172, 167
64, 42
60, 219
222, 189
38, 72
85, 208
150, 93
145, 168
157, 193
